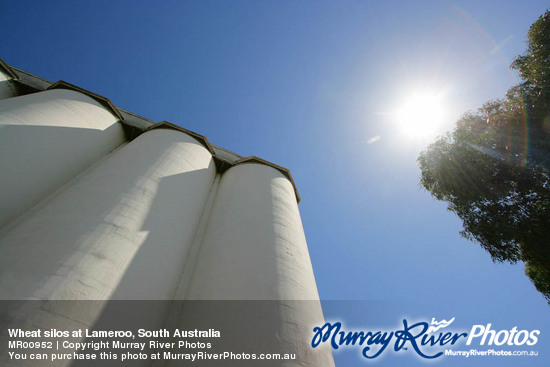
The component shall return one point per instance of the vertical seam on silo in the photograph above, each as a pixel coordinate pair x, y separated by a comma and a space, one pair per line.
48, 198
189, 267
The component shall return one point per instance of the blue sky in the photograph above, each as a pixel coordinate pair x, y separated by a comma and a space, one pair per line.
315, 86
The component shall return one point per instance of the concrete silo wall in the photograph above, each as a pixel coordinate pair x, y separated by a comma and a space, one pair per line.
88, 218
121, 231
253, 278
46, 139
254, 247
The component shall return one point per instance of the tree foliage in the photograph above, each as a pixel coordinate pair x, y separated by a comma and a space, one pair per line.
534, 65
534, 69
493, 170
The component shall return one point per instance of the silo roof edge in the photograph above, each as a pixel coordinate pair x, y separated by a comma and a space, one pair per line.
103, 100
283, 170
200, 138
39, 83
7, 70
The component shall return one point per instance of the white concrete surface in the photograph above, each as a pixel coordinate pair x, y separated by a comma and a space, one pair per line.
253, 274
150, 221
46, 139
121, 231
254, 247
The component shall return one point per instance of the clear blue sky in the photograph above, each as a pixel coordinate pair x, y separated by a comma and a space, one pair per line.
315, 86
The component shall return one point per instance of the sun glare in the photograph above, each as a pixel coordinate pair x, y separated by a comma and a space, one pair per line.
421, 115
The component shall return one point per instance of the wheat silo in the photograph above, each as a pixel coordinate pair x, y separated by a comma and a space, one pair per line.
103, 210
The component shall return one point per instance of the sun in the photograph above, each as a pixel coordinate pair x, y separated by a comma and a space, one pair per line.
421, 115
